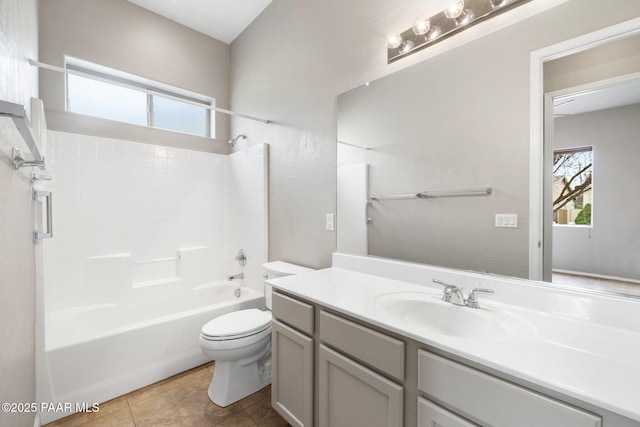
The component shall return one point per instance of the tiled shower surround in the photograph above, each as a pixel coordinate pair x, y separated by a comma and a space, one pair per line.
131, 215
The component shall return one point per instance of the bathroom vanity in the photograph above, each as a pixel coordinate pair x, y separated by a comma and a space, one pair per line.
367, 349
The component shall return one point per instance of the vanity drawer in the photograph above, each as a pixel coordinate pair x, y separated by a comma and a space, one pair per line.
490, 400
293, 312
374, 348
430, 415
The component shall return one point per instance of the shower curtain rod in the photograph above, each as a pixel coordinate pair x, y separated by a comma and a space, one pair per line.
147, 91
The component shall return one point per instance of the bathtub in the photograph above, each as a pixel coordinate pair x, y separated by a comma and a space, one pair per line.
97, 352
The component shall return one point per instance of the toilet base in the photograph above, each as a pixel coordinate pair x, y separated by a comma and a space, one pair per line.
236, 379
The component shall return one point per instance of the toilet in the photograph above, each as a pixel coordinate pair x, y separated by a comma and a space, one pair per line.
240, 344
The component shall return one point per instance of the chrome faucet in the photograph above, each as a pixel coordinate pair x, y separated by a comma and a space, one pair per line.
236, 276
473, 296
454, 294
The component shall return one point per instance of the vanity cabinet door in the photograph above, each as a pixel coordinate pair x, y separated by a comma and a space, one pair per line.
432, 415
292, 375
352, 395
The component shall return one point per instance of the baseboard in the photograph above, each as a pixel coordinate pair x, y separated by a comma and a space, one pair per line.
596, 276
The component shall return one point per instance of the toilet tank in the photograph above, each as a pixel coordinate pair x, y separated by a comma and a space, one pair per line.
276, 269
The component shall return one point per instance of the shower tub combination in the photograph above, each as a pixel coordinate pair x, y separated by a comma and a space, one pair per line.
97, 352
139, 261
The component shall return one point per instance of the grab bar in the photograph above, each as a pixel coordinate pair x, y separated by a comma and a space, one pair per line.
37, 195
458, 192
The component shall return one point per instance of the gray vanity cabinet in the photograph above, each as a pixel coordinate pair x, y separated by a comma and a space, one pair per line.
292, 360
350, 393
353, 395
432, 415
489, 400
360, 371
367, 376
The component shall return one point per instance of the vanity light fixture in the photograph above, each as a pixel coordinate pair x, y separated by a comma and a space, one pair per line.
457, 15
455, 10
394, 42
406, 46
422, 27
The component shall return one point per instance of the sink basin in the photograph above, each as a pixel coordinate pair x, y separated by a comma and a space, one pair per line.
427, 313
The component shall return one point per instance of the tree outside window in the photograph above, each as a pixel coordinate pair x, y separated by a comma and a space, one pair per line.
572, 186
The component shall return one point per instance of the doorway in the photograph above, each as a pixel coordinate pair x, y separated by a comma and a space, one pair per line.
541, 201
591, 149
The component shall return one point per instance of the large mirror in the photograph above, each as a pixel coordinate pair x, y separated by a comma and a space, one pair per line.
441, 152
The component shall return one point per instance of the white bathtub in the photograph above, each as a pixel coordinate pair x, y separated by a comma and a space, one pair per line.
98, 352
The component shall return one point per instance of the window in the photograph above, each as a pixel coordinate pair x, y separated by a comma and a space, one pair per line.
101, 92
573, 186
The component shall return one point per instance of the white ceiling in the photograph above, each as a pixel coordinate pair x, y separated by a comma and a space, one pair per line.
600, 99
223, 20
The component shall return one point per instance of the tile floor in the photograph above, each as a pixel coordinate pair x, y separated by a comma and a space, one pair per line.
179, 401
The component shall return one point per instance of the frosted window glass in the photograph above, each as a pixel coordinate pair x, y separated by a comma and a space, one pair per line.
95, 98
179, 116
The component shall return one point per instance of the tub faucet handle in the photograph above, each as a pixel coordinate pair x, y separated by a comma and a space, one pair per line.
241, 258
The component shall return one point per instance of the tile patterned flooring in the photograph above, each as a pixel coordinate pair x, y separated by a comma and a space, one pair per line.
179, 401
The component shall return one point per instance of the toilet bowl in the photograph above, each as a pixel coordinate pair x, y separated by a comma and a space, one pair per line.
240, 344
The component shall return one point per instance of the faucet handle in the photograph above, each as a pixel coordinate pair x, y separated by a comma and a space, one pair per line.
449, 290
472, 302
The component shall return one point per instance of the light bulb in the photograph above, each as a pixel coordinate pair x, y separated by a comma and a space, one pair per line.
421, 25
454, 9
394, 42
406, 46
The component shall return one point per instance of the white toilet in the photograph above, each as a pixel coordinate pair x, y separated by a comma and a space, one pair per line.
240, 343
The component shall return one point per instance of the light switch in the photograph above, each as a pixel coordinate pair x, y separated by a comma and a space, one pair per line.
507, 220
330, 222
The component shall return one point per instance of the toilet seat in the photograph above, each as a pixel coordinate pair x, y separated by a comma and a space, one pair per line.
236, 325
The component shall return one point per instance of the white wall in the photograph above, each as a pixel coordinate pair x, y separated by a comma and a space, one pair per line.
611, 246
297, 57
124, 211
18, 82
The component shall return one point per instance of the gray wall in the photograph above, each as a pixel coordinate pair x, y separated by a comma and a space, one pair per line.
18, 82
126, 37
295, 59
613, 59
612, 246
426, 134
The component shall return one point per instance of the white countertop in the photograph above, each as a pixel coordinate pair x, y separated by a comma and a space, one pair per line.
594, 362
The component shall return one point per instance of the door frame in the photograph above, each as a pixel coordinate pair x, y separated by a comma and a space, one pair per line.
540, 226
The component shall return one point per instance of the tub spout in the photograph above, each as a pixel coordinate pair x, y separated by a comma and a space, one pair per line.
236, 276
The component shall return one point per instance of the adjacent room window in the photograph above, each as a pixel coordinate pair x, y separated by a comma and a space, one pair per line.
98, 91
573, 186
